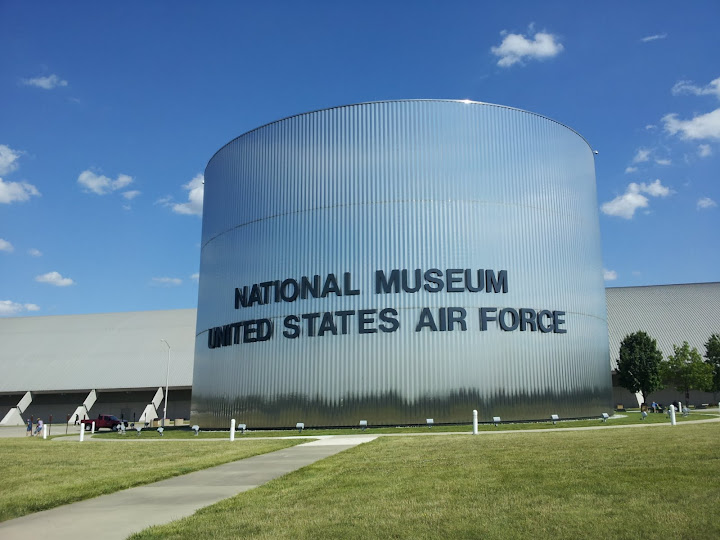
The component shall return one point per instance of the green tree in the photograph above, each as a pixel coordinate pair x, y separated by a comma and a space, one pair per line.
639, 364
686, 371
712, 354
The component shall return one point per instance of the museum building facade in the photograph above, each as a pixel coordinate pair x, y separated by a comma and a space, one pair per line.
397, 262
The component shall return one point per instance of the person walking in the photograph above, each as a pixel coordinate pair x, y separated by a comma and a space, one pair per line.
39, 427
29, 428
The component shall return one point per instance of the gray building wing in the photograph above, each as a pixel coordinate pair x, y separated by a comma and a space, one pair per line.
123, 350
670, 314
99, 351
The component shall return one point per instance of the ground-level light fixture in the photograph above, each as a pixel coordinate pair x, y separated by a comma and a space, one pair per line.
160, 430
605, 417
643, 415
430, 422
196, 429
300, 426
363, 424
242, 427
496, 420
554, 418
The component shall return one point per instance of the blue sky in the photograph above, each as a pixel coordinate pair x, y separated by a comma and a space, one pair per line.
110, 112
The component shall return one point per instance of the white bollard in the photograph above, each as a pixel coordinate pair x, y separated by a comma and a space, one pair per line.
679, 407
92, 430
82, 432
475, 432
232, 430
44, 431
672, 414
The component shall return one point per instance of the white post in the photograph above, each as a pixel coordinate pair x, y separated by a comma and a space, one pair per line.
232, 430
44, 431
82, 432
680, 406
167, 382
475, 431
672, 415
92, 431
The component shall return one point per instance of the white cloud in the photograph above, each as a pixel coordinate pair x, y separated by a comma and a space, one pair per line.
624, 205
34, 252
642, 155
663, 161
130, 195
656, 189
651, 127
102, 185
16, 191
705, 202
8, 159
195, 277
704, 150
687, 87
705, 126
653, 37
54, 278
47, 83
516, 48
167, 281
194, 206
13, 191
8, 307
6, 246
629, 170
609, 275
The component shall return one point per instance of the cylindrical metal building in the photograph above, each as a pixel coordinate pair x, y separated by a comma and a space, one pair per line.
398, 261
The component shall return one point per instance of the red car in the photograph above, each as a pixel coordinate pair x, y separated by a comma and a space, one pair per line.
103, 421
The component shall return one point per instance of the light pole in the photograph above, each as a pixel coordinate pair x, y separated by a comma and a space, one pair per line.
167, 382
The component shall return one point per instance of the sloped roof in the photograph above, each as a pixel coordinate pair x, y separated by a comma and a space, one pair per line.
101, 351
670, 314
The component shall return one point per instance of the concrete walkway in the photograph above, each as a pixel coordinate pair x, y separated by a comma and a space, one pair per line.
21, 431
120, 514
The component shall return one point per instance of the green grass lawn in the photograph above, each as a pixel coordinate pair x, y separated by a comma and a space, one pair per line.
629, 483
626, 418
39, 474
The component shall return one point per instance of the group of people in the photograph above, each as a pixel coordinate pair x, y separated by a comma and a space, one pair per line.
38, 429
655, 407
659, 407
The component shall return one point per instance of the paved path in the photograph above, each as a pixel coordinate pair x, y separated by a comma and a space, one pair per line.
121, 514
21, 431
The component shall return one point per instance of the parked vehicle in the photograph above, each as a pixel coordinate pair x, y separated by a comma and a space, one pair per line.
107, 421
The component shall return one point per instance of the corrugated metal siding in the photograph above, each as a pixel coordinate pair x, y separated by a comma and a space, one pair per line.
101, 351
670, 314
408, 184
